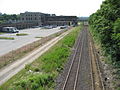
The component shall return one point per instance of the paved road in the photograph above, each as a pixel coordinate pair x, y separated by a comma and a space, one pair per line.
9, 45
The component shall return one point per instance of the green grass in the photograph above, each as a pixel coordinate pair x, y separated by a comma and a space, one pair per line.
38, 37
8, 38
21, 34
1, 33
40, 74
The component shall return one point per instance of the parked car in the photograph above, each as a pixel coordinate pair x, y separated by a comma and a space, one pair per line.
63, 27
54, 26
35, 26
47, 27
10, 29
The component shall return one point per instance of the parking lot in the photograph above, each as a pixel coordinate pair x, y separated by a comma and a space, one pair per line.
19, 41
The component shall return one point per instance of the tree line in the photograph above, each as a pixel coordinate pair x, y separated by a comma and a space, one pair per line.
105, 28
7, 17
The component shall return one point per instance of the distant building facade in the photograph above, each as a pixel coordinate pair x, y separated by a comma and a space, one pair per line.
29, 19
61, 20
33, 17
47, 19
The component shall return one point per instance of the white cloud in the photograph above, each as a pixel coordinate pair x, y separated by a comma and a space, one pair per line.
59, 7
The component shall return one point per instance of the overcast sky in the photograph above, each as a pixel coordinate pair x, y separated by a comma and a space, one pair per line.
59, 7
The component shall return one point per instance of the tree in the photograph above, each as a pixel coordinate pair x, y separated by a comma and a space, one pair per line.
105, 27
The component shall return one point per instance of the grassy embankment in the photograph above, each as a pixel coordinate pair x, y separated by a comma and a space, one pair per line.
21, 34
7, 38
40, 75
38, 37
1, 33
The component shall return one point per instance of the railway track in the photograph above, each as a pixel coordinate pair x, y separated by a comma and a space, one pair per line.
98, 83
83, 72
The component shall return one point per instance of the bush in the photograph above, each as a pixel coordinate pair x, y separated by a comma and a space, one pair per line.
27, 67
35, 81
36, 69
105, 28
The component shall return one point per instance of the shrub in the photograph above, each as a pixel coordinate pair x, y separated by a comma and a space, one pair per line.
35, 81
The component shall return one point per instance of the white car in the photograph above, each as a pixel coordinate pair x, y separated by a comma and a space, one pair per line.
10, 29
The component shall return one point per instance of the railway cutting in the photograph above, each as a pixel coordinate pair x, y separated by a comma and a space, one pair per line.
82, 70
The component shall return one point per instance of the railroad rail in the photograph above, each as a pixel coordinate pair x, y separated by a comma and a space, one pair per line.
74, 64
83, 72
97, 78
